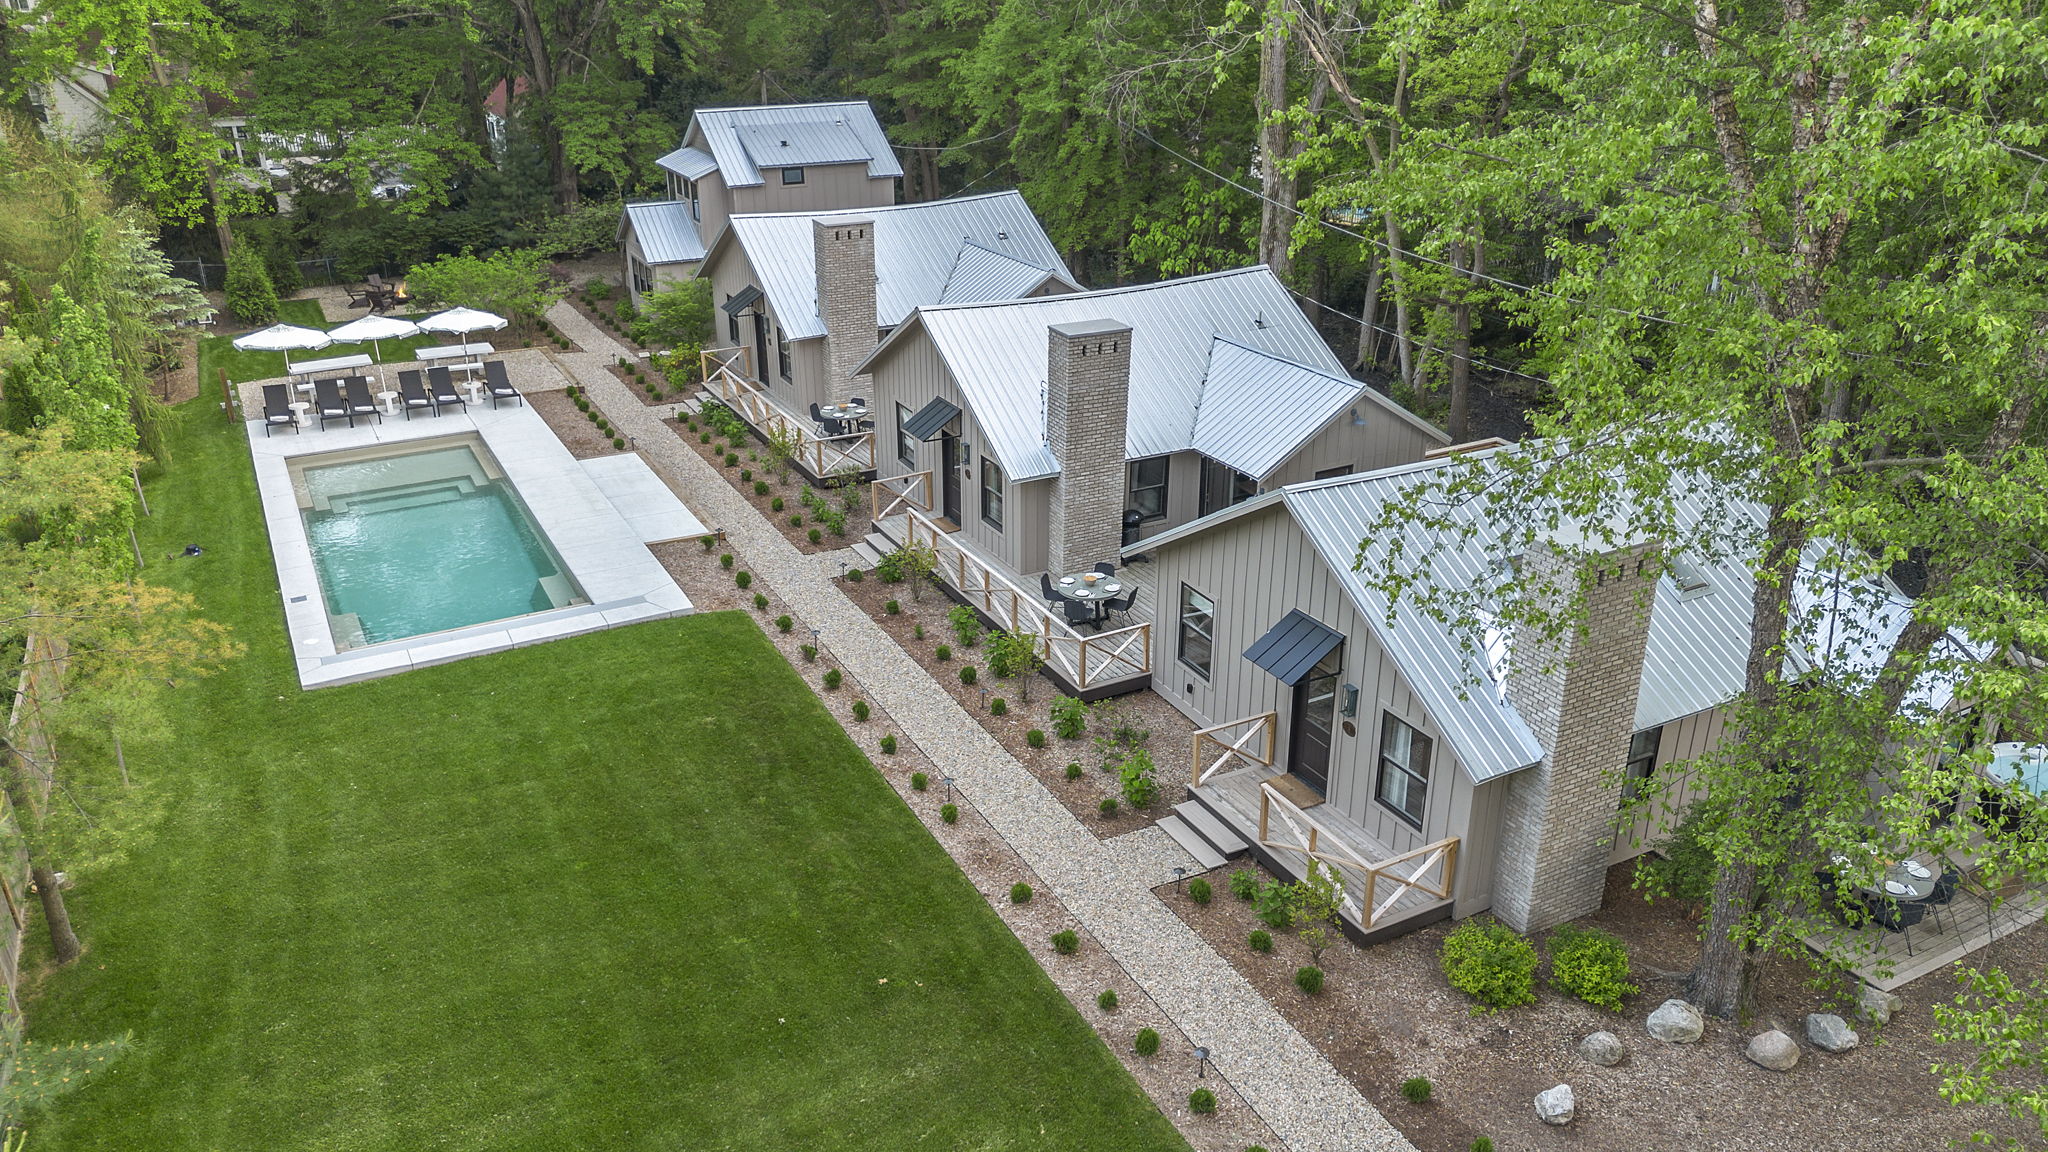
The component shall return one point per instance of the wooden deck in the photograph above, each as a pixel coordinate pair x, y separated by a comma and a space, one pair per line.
1967, 925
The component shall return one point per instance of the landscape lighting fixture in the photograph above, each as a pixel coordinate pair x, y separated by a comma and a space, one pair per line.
1179, 873
1201, 1063
949, 788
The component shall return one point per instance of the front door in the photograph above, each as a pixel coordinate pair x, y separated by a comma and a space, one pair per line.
1314, 721
949, 479
761, 347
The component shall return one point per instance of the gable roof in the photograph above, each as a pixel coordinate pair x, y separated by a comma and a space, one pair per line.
742, 141
666, 233
985, 274
919, 250
689, 163
1241, 321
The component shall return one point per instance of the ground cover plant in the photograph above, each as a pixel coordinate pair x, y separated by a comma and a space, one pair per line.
505, 903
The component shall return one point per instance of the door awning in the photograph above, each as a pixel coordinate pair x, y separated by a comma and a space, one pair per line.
1290, 648
926, 422
741, 300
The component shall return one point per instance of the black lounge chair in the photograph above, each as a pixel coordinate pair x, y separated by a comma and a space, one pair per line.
277, 408
441, 390
498, 384
328, 403
357, 390
413, 394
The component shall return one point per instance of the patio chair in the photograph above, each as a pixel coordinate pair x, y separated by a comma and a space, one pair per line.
1899, 917
328, 403
1121, 606
1045, 588
865, 423
441, 389
830, 425
277, 408
1079, 613
413, 394
357, 390
364, 297
1105, 568
499, 384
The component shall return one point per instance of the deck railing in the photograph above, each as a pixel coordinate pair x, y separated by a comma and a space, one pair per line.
821, 456
1251, 746
889, 495
1431, 869
737, 360
1084, 661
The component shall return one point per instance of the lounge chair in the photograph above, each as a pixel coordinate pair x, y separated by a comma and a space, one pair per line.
328, 403
277, 408
357, 390
441, 390
413, 394
498, 384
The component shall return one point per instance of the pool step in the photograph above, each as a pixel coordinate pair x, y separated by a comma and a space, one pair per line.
402, 499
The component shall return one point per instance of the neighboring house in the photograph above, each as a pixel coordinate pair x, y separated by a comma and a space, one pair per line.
500, 107
808, 294
770, 158
1056, 428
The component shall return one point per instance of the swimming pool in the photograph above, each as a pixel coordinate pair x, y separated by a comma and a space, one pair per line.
423, 537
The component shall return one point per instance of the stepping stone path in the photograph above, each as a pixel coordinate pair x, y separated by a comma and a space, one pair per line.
1676, 1022
1773, 1050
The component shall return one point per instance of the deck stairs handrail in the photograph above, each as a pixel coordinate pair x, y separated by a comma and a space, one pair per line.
821, 456
889, 494
1252, 746
1316, 842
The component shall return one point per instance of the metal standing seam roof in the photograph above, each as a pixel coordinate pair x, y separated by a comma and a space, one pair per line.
798, 144
741, 300
719, 129
926, 421
981, 274
917, 250
1257, 410
1290, 648
689, 163
666, 233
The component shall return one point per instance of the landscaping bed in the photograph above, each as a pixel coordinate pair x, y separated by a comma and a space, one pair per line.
1387, 1013
604, 313
571, 425
753, 476
648, 384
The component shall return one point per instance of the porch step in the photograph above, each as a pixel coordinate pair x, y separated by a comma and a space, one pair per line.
1205, 856
1205, 824
868, 553
880, 543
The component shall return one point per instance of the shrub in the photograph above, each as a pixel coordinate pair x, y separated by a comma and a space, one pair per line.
1107, 1000
709, 542
950, 813
619, 443
796, 520
1073, 770
1107, 807
832, 678
891, 607
1035, 738
942, 652
1416, 1090
775, 505
1065, 942
1272, 905
1490, 963
810, 652
744, 579
1136, 775
1200, 892
919, 781
813, 536
513, 282
1260, 940
967, 674
1682, 868
853, 574
760, 487
1146, 1042
784, 623
1201, 1101
888, 745
1069, 717
703, 437
833, 520
998, 707
760, 602
1020, 893
966, 625
746, 475
1482, 1144
860, 711
725, 560
1591, 965
583, 405
732, 459
1309, 980
250, 294
1244, 884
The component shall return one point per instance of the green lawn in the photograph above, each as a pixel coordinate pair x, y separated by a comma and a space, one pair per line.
632, 890
216, 352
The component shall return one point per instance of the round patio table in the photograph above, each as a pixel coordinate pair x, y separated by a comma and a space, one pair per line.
1088, 587
1903, 880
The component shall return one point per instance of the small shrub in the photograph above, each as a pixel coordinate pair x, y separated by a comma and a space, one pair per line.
832, 679
1035, 738
1201, 1101
1416, 1090
891, 607
1020, 893
1482, 1144
1107, 1000
619, 443
1069, 717
966, 625
942, 652
1309, 980
1074, 770
796, 520
950, 813
853, 574
709, 542
1273, 906
1107, 807
967, 674
998, 707
725, 560
1065, 942
704, 437
888, 745
582, 405
1136, 775
917, 631
784, 623
732, 459
775, 505
1244, 884
1490, 963
1260, 940
1591, 965
760, 487
860, 711
813, 536
746, 475
1146, 1042
810, 652
1200, 892
572, 391
744, 579
760, 602
919, 781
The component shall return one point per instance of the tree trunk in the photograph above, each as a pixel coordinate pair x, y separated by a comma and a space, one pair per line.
534, 38
1276, 221
474, 124
1404, 340
1369, 315
63, 941
1461, 348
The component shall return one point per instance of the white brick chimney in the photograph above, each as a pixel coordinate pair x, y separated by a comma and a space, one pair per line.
1087, 398
1577, 692
845, 255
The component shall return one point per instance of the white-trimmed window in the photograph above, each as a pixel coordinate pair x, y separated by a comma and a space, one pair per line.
991, 493
781, 352
1404, 769
1148, 487
906, 444
792, 175
1642, 761
732, 323
1197, 646
643, 277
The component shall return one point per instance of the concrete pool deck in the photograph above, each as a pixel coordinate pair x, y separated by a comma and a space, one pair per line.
599, 515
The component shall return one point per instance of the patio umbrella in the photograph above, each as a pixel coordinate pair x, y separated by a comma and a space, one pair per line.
464, 321
374, 328
283, 338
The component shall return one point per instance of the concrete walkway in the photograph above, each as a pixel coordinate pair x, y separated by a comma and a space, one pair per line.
1106, 885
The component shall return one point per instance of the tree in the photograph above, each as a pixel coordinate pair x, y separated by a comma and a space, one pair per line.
513, 283
676, 316
1017, 654
250, 295
2007, 1025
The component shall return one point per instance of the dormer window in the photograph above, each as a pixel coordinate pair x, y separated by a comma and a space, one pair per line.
792, 175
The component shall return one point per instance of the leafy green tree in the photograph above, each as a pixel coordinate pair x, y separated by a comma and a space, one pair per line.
1316, 904
676, 316
513, 283
250, 295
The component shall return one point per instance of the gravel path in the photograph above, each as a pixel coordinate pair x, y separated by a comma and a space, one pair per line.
1107, 885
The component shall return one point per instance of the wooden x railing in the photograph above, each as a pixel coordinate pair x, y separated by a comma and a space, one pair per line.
821, 456
889, 495
739, 361
1253, 745
1430, 869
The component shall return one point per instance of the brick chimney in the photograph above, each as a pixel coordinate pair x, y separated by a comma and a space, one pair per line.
1087, 396
1577, 692
845, 252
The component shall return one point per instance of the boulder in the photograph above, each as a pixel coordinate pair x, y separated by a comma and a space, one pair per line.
1773, 1050
1556, 1106
1830, 1033
1878, 1007
1604, 1049
1676, 1022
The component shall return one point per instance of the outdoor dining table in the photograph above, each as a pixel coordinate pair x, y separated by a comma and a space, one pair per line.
845, 416
1903, 880
1088, 587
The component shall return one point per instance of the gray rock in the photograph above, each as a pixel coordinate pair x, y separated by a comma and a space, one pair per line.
1604, 1049
1676, 1022
1556, 1106
1773, 1050
1878, 1007
1830, 1033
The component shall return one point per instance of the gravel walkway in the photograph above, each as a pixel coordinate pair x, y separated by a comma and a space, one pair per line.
1107, 885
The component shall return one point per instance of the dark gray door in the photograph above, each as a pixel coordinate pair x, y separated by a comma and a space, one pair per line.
949, 479
1313, 726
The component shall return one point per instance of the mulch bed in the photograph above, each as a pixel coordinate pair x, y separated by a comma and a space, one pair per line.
604, 315
992, 866
637, 385
754, 461
570, 425
1387, 1014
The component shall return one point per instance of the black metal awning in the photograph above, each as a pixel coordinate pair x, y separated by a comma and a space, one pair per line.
926, 421
1292, 647
741, 300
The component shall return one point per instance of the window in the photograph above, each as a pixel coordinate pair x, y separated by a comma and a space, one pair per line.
1148, 487
792, 175
690, 194
991, 493
643, 280
732, 323
1331, 473
1642, 761
906, 444
1223, 486
675, 187
781, 352
1197, 630
1404, 769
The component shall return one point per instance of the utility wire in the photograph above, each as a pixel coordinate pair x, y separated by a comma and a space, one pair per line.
1360, 319
962, 144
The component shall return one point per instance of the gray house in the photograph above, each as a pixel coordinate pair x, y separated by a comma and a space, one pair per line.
1040, 427
770, 158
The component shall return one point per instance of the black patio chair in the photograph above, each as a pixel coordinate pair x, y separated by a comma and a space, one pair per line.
499, 384
864, 423
1120, 606
277, 408
441, 389
328, 403
364, 297
1899, 917
413, 394
357, 390
1079, 613
1105, 568
830, 425
1045, 589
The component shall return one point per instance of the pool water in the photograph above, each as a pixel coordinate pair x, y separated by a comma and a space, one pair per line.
425, 541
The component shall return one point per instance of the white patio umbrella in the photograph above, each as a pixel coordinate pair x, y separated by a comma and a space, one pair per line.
464, 321
374, 328
283, 338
